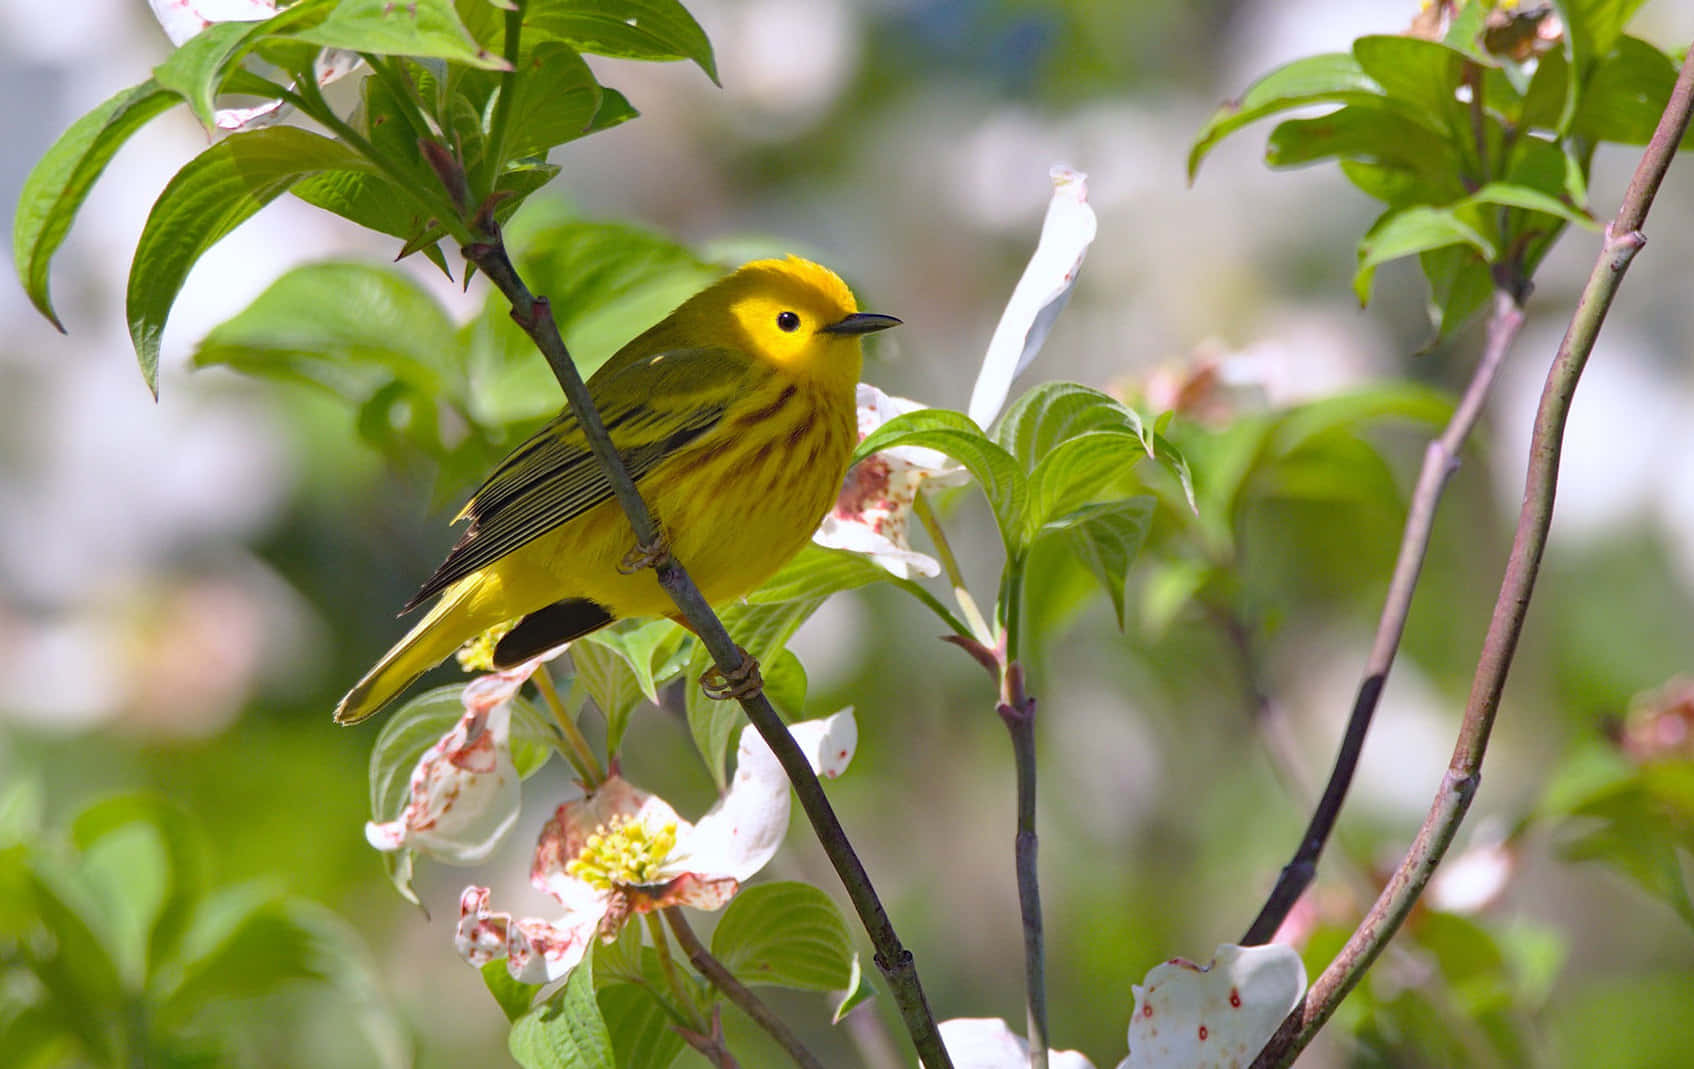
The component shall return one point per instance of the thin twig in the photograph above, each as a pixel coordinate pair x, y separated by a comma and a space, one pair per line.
711, 1043
1017, 709
721, 978
898, 967
1440, 460
1464, 771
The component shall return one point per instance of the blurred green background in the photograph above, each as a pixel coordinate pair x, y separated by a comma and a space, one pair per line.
187, 586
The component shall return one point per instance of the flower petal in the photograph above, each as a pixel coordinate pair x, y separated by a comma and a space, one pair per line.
536, 952
876, 408
1219, 1015
1040, 294
182, 19
828, 743
836, 532
264, 114
334, 64
988, 1043
743, 831
464, 793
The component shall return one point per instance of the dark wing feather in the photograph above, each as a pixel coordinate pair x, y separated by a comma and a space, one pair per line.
652, 409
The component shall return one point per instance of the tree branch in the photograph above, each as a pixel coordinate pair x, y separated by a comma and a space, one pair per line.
721, 978
1440, 460
1017, 709
1458, 787
898, 967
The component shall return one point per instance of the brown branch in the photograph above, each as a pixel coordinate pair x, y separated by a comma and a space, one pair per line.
898, 967
1623, 240
719, 976
1017, 709
1440, 460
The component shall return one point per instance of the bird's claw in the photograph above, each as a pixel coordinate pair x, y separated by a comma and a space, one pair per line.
646, 554
742, 681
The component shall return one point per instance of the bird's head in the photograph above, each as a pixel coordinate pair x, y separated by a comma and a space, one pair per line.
799, 316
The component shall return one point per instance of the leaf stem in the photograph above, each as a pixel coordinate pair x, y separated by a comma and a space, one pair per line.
719, 976
667, 966
576, 749
899, 968
950, 564
1464, 772
917, 590
1440, 461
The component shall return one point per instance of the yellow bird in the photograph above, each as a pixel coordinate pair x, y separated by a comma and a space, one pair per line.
735, 415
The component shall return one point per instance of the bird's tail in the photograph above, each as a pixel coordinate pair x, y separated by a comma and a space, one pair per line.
453, 621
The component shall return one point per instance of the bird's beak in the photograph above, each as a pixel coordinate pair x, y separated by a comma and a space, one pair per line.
860, 323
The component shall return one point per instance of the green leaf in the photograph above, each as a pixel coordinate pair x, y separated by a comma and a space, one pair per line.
1334, 78
566, 1031
1509, 195
763, 631
1304, 424
212, 195
59, 183
514, 997
954, 435
246, 941
859, 990
1594, 26
1172, 460
1078, 470
1626, 94
80, 977
557, 101
628, 29
1544, 100
1412, 230
641, 1030
1459, 285
181, 864
785, 683
1377, 133
197, 69
816, 572
1056, 411
1106, 538
345, 327
611, 682
415, 28
785, 935
23, 801
1424, 74
644, 649
372, 201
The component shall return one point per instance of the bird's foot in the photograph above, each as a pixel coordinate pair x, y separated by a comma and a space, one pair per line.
647, 554
742, 681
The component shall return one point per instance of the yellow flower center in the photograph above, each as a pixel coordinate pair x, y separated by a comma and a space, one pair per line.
623, 853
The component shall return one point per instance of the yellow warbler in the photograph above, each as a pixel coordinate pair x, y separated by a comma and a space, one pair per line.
735, 416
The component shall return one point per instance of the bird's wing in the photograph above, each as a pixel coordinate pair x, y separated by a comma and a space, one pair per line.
651, 408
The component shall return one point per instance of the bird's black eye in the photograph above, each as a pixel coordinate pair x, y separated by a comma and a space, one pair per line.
787, 321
